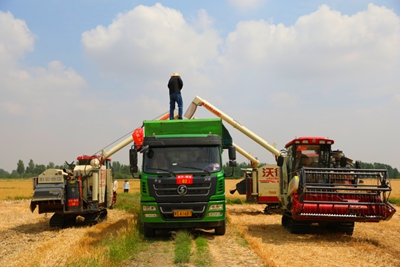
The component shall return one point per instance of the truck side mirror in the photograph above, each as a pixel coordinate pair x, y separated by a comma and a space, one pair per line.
232, 156
232, 153
133, 159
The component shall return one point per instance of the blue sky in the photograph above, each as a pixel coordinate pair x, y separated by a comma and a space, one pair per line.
76, 76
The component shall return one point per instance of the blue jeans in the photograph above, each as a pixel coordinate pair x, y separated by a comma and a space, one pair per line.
175, 97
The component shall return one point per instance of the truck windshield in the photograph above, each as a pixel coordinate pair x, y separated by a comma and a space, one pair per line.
182, 159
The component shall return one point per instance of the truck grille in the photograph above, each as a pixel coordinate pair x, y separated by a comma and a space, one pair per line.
167, 190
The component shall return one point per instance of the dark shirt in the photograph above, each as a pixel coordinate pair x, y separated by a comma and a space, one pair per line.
175, 84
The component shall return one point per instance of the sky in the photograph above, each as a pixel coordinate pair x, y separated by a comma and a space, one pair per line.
77, 77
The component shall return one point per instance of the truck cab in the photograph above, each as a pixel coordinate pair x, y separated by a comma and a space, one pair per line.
182, 180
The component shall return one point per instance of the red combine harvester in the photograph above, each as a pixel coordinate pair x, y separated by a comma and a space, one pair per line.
316, 184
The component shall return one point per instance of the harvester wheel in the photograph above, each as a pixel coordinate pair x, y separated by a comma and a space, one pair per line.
272, 209
57, 220
103, 214
92, 218
220, 230
341, 227
69, 220
295, 226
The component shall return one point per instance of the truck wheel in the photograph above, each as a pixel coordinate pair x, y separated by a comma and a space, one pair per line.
220, 230
148, 231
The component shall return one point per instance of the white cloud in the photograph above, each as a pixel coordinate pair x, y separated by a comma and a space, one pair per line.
355, 53
37, 105
36, 89
28, 91
15, 39
204, 22
247, 4
148, 41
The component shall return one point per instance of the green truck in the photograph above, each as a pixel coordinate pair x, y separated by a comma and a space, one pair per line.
182, 184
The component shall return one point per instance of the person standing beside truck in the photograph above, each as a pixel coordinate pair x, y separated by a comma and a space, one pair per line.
126, 186
115, 187
175, 85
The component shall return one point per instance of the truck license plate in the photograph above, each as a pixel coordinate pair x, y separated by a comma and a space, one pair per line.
182, 213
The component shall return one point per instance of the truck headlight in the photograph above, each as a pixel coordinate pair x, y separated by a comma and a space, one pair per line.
149, 208
216, 207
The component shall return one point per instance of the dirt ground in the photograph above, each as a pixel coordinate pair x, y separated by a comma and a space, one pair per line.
27, 240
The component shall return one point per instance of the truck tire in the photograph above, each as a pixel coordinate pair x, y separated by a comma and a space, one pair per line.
220, 230
148, 231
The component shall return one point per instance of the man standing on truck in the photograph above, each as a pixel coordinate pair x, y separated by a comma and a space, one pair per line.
175, 85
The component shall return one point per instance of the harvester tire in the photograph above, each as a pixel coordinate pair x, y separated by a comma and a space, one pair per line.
57, 220
295, 226
103, 214
92, 218
341, 227
69, 220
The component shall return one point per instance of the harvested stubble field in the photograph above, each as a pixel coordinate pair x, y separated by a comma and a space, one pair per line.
27, 240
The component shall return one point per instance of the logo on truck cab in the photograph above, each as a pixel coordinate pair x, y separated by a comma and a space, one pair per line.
182, 190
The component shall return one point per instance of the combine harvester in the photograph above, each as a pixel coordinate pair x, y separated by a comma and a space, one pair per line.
85, 189
316, 184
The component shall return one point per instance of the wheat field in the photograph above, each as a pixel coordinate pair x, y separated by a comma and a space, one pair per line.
372, 244
23, 188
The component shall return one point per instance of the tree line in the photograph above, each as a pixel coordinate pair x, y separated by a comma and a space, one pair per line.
122, 171
393, 172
